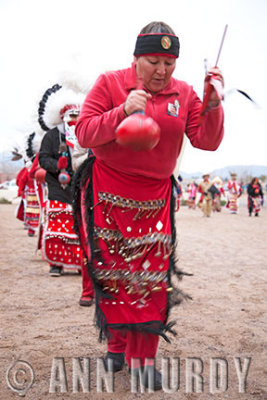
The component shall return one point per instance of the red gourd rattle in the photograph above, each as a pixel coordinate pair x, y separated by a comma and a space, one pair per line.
138, 131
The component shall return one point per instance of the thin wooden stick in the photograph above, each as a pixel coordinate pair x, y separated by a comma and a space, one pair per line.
221, 45
209, 86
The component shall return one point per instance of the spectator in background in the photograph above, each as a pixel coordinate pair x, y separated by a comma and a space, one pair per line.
192, 195
255, 197
205, 202
234, 192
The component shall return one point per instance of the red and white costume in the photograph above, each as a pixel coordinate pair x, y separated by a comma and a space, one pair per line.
27, 191
60, 243
20, 210
234, 192
42, 193
192, 195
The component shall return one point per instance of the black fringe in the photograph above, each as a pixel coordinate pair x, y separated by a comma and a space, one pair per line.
83, 174
153, 327
79, 180
176, 296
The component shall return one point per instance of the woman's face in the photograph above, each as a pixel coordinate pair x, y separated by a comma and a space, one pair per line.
155, 71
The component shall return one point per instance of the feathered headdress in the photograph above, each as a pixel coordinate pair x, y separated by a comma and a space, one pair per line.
29, 145
16, 155
42, 105
54, 100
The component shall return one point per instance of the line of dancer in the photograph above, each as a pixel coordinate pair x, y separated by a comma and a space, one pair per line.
114, 218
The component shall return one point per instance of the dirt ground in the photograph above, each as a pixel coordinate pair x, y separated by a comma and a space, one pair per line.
41, 321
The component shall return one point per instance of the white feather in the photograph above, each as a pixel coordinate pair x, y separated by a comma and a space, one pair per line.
56, 102
76, 74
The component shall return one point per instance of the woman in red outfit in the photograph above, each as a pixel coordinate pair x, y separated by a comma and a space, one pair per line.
124, 198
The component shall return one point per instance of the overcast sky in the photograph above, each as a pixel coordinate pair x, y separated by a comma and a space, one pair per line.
39, 38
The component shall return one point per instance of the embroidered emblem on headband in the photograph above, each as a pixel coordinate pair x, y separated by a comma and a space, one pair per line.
173, 109
166, 42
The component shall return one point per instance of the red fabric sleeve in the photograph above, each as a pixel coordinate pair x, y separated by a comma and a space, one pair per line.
200, 189
96, 126
22, 182
209, 134
19, 175
34, 167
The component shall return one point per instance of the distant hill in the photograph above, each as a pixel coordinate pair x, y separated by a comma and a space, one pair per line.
190, 175
242, 172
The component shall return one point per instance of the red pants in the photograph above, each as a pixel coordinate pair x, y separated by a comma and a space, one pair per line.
134, 344
88, 290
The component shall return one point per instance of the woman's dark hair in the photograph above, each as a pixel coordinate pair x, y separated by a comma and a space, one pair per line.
157, 27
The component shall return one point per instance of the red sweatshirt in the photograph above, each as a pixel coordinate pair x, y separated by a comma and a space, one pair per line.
34, 167
21, 181
102, 112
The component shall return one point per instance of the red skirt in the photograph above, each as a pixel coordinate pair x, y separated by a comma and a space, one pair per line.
20, 210
60, 243
126, 233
